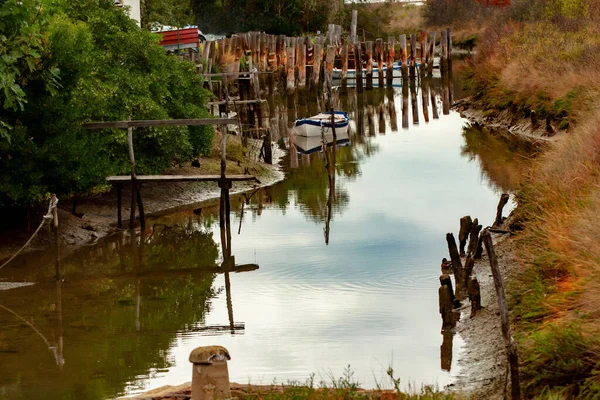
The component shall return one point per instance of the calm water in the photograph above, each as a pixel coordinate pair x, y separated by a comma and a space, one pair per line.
129, 310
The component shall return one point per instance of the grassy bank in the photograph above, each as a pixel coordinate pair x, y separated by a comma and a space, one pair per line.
552, 69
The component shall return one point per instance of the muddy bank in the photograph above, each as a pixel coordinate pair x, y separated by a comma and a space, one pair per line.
96, 216
506, 121
483, 362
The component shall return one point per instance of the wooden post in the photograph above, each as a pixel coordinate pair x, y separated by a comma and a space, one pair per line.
328, 82
344, 57
317, 59
466, 224
291, 78
404, 58
353, 26
390, 60
446, 281
379, 58
425, 99
432, 38
133, 177
392, 108
511, 346
503, 200
358, 67
369, 65
434, 108
414, 102
444, 55
413, 56
474, 237
449, 44
301, 62
456, 265
446, 308
423, 68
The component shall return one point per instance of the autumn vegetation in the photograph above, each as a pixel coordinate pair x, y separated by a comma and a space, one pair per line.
541, 58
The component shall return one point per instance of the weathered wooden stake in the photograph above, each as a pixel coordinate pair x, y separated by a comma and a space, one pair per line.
301, 62
379, 58
291, 58
444, 55
432, 38
466, 224
358, 67
403, 58
344, 57
369, 65
413, 56
456, 266
317, 58
511, 346
503, 200
423, 55
474, 237
391, 58
449, 44
353, 26
328, 81
446, 308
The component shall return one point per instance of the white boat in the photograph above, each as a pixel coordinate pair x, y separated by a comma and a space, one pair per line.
321, 124
314, 144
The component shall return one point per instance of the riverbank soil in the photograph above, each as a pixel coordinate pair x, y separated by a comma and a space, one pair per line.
96, 216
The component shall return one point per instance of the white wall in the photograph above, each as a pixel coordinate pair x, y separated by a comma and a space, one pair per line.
134, 9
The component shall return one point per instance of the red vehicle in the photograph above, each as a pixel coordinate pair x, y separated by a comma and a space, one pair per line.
183, 38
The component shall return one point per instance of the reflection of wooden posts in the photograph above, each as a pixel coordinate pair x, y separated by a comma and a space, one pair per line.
444, 55
390, 60
291, 59
210, 376
379, 58
423, 42
369, 49
404, 58
392, 109
446, 308
425, 99
358, 67
445, 95
404, 102
414, 102
135, 186
413, 56
293, 151
371, 119
381, 124
431, 53
503, 200
446, 350
466, 224
511, 346
434, 108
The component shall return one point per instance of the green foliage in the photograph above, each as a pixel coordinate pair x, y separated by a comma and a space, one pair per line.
22, 48
110, 70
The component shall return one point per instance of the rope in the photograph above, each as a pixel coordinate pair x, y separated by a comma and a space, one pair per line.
47, 218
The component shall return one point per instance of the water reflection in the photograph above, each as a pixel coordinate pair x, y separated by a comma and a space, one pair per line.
347, 245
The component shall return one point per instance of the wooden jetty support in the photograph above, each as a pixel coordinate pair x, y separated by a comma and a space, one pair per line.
223, 179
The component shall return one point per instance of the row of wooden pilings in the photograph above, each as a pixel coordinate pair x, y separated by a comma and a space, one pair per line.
309, 61
467, 286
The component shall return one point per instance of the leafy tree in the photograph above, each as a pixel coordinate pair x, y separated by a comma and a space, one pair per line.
110, 70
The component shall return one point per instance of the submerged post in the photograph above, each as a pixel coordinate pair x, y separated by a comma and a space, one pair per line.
379, 58
369, 50
431, 53
413, 55
390, 60
210, 376
403, 58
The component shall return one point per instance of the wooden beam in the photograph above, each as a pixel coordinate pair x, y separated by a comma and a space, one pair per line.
159, 122
180, 178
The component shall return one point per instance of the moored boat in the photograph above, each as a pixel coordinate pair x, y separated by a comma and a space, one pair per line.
321, 124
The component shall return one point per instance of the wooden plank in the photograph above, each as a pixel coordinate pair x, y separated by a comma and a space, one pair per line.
180, 178
236, 102
159, 122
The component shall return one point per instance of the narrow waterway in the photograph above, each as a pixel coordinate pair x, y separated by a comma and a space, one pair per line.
326, 276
